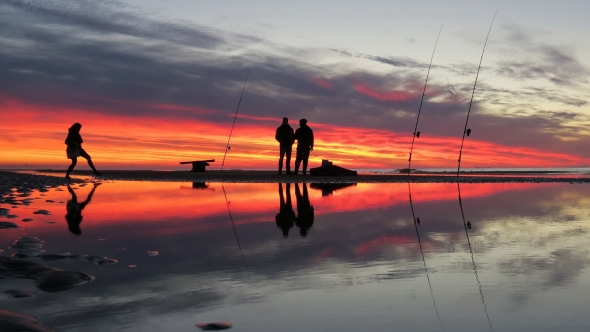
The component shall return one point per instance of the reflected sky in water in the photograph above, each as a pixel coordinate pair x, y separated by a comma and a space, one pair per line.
295, 257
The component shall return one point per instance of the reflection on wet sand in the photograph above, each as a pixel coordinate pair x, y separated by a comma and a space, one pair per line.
467, 225
416, 222
328, 188
74, 209
234, 227
285, 219
305, 213
363, 263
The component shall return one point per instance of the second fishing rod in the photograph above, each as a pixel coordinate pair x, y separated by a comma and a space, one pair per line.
466, 131
416, 133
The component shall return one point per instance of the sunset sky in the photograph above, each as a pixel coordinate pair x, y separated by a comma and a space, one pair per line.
157, 82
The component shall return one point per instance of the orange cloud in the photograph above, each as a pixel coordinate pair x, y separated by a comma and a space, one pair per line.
35, 136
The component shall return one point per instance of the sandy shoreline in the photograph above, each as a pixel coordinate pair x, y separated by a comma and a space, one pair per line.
14, 186
272, 176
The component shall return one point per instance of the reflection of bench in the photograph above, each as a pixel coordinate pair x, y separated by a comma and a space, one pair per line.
198, 165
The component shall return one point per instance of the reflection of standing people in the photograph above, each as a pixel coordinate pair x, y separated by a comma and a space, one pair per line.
285, 137
74, 149
74, 210
305, 215
286, 217
304, 137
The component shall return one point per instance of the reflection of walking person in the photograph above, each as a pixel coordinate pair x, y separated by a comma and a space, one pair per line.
74, 149
286, 217
305, 215
304, 137
285, 137
74, 210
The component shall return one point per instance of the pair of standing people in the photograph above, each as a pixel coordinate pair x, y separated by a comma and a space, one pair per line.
286, 137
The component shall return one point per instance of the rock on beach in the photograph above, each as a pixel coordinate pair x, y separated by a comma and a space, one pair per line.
11, 321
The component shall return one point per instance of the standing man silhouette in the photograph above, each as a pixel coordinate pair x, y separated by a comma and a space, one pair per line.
285, 137
304, 137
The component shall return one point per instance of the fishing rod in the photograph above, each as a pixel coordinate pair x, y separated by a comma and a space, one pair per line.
416, 222
227, 147
468, 226
235, 230
465, 130
416, 133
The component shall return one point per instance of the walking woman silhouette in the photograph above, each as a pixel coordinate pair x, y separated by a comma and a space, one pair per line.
74, 149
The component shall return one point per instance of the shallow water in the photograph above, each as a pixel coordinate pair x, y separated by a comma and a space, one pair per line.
184, 256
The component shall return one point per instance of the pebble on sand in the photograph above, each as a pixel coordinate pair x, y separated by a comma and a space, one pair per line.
19, 294
153, 253
27, 220
57, 281
99, 260
7, 225
11, 321
44, 212
215, 326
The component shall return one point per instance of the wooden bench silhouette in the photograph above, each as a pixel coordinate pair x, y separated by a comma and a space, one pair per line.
198, 165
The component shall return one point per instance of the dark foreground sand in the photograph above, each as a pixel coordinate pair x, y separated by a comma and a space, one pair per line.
23, 184
272, 176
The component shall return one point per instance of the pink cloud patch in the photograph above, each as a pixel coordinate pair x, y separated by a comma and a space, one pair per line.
383, 95
323, 83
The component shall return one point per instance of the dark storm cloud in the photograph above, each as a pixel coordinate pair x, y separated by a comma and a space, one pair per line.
108, 17
402, 62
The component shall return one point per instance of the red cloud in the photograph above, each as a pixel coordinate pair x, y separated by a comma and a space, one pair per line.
35, 135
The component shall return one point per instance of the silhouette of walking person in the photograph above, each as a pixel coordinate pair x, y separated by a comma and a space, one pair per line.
74, 149
286, 217
286, 138
304, 137
305, 214
74, 210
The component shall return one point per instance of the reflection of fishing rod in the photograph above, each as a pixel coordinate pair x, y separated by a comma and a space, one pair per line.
468, 226
235, 230
416, 133
465, 130
416, 222
227, 147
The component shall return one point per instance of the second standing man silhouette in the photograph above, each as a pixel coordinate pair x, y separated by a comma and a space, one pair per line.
285, 137
304, 137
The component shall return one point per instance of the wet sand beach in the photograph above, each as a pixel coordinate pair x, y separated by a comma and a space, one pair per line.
25, 183
237, 176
